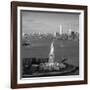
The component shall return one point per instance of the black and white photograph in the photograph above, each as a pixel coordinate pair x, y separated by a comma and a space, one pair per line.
49, 44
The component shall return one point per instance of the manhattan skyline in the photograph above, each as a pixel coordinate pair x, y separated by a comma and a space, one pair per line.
48, 22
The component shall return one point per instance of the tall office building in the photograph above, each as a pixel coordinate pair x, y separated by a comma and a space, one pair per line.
61, 30
69, 31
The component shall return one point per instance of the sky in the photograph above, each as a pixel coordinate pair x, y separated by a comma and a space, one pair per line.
48, 22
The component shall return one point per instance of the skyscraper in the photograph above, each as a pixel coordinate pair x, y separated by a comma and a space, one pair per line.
61, 30
69, 31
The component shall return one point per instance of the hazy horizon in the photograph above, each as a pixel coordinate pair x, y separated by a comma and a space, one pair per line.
47, 22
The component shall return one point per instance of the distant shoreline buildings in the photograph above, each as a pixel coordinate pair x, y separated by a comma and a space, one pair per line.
60, 35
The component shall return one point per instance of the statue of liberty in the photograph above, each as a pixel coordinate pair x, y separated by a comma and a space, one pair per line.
51, 54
